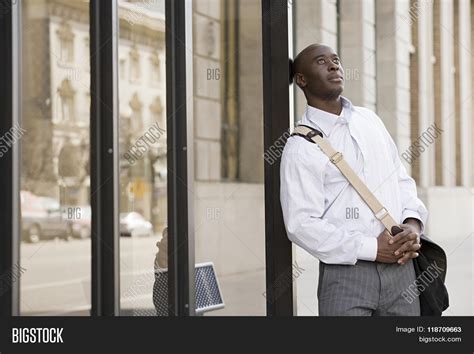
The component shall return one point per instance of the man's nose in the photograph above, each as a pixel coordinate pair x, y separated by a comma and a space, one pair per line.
333, 67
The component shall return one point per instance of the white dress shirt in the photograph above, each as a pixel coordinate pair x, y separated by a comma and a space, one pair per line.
323, 214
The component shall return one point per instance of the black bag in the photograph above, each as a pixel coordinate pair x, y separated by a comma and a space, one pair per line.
430, 269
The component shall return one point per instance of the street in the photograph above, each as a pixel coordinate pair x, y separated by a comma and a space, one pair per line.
56, 280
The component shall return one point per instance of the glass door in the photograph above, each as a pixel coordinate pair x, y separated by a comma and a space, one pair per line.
228, 189
55, 249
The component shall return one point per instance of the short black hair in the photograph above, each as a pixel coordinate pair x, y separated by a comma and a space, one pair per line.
295, 64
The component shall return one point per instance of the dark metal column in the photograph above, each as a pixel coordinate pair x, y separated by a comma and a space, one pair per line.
180, 176
276, 113
104, 158
10, 60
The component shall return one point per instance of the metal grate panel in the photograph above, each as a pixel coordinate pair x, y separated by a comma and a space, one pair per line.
208, 294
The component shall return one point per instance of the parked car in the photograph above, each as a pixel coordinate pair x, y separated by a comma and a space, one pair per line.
80, 217
134, 224
43, 219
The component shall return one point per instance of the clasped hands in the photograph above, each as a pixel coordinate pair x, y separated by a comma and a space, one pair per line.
399, 248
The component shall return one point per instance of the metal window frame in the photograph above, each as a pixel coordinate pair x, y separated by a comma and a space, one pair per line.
179, 109
10, 161
276, 113
105, 297
104, 155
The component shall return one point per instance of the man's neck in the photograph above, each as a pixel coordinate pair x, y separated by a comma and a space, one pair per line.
331, 106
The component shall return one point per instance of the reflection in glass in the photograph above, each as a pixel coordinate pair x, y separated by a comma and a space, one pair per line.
228, 155
142, 139
55, 183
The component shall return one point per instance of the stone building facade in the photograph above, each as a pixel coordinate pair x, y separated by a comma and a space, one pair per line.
411, 62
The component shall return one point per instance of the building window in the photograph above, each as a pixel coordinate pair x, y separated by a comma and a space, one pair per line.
85, 109
155, 69
457, 93
437, 90
230, 139
66, 99
414, 91
210, 38
87, 54
66, 43
122, 68
136, 116
135, 72
156, 110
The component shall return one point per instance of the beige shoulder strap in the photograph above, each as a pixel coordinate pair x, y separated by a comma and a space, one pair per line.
338, 160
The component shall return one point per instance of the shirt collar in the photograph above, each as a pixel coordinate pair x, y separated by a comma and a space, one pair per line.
325, 120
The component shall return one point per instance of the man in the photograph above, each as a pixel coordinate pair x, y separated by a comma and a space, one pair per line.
160, 286
363, 268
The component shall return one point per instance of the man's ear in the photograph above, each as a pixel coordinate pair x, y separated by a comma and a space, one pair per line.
300, 80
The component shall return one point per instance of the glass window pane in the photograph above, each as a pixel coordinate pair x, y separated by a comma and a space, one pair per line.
228, 156
55, 182
143, 166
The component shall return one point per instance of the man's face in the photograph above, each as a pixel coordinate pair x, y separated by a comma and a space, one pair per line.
321, 73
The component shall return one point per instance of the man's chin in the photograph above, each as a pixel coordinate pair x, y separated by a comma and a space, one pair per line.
334, 94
